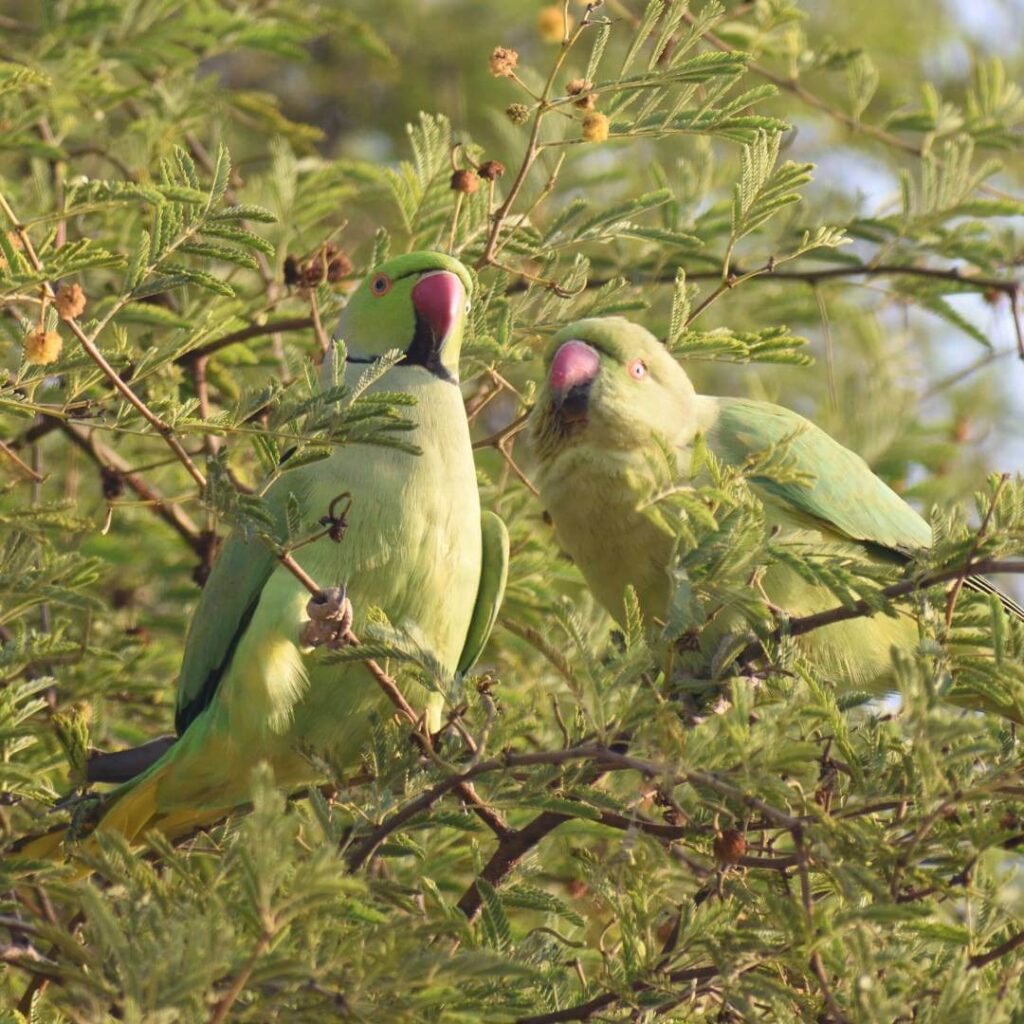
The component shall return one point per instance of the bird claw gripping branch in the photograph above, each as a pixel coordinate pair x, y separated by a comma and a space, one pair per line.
330, 619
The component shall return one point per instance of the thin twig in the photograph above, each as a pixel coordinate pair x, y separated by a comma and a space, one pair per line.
861, 609
108, 460
26, 470
162, 428
221, 1010
954, 591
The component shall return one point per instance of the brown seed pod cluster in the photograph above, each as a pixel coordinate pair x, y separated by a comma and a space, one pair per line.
328, 263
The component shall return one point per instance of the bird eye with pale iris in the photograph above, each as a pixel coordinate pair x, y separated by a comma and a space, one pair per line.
381, 284
637, 369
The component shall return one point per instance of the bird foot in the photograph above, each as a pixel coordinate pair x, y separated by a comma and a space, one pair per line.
330, 620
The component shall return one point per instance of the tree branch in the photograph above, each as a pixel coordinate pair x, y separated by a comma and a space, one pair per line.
862, 609
107, 459
984, 959
584, 1011
294, 323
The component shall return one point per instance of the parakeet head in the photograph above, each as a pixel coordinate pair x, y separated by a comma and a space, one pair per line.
609, 383
418, 303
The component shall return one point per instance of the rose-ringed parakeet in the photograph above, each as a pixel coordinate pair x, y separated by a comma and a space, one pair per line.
615, 401
416, 547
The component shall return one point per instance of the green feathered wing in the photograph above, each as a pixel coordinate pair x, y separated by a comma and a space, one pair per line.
842, 496
842, 493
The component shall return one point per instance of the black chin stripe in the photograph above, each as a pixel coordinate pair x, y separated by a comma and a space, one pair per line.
423, 350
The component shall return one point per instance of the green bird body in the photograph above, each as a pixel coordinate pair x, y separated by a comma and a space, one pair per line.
615, 401
415, 547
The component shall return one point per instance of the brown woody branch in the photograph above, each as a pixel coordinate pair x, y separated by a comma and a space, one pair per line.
294, 323
108, 460
585, 1011
1011, 944
862, 608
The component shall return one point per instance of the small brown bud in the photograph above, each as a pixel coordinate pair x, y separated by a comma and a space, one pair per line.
730, 846
113, 484
339, 266
517, 113
139, 634
291, 270
70, 301
595, 127
491, 170
328, 263
578, 87
465, 181
42, 347
552, 23
503, 62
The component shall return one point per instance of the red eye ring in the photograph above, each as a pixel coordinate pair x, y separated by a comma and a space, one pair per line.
637, 369
381, 284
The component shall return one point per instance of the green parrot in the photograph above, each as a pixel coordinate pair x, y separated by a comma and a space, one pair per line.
614, 398
416, 546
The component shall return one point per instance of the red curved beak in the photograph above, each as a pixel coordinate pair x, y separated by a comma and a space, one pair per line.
438, 298
575, 365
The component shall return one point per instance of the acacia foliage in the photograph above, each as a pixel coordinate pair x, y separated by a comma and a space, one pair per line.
792, 853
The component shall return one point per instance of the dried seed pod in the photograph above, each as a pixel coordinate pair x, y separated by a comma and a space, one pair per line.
465, 182
730, 846
503, 62
491, 170
70, 301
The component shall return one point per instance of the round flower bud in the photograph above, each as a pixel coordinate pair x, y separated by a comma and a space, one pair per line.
551, 23
503, 62
465, 181
491, 170
42, 347
595, 127
517, 113
70, 301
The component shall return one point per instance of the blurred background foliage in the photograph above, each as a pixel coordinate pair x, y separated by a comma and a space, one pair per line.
791, 858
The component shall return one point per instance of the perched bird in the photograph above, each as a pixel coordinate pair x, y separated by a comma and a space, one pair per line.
615, 401
415, 546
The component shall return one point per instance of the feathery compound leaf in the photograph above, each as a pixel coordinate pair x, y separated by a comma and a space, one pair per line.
680, 315
764, 189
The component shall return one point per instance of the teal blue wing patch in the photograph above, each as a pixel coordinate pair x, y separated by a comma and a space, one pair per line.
841, 491
493, 576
